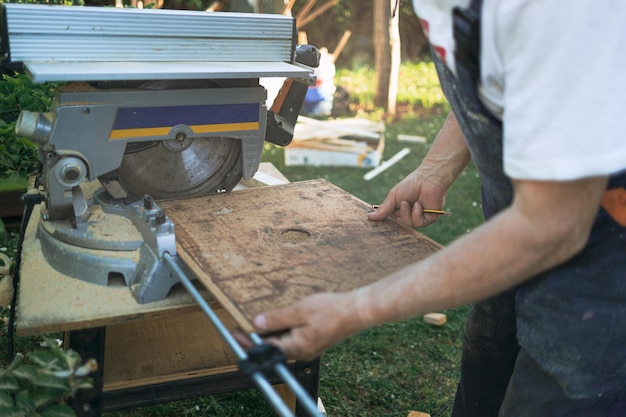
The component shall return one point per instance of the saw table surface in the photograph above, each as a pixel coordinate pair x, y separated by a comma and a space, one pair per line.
264, 248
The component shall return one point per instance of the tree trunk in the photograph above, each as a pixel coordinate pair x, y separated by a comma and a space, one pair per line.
387, 54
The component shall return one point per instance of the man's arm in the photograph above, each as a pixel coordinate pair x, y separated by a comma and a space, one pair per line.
547, 223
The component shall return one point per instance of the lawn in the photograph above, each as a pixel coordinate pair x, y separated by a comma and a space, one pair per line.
391, 369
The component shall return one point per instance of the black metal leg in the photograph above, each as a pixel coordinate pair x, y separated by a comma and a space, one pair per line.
308, 375
89, 343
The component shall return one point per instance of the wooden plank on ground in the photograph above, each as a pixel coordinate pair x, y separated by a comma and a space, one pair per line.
260, 249
436, 319
418, 414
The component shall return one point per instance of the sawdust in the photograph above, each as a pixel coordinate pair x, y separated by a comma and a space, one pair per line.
101, 226
51, 301
112, 227
77, 87
222, 211
295, 235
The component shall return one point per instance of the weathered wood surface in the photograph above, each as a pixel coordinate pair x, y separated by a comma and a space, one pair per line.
264, 248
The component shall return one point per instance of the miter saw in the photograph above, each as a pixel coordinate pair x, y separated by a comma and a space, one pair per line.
158, 105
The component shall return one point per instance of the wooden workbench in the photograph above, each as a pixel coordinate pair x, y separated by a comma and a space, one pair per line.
148, 353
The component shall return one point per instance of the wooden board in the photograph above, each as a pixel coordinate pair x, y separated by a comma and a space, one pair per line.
264, 248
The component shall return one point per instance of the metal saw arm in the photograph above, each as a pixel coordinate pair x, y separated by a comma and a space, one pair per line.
282, 117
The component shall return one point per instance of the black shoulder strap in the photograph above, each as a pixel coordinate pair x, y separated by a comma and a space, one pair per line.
466, 27
466, 30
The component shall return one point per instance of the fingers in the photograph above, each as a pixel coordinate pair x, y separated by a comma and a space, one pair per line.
291, 339
293, 345
390, 207
275, 327
386, 209
288, 342
414, 216
404, 213
277, 320
307, 328
410, 215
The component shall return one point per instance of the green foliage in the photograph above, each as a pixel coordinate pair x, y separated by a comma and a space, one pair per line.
418, 84
18, 155
33, 385
18, 93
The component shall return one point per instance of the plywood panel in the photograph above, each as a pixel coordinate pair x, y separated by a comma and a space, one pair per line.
264, 248
172, 348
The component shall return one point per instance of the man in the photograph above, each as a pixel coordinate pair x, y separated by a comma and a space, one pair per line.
544, 125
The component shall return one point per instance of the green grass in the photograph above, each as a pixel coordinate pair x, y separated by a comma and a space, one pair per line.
391, 369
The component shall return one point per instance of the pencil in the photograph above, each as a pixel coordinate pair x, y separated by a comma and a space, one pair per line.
440, 212
429, 211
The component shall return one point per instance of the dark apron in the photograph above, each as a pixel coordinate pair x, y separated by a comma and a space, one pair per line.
571, 320
489, 342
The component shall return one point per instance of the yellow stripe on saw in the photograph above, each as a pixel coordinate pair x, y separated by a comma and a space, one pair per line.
227, 127
137, 133
164, 131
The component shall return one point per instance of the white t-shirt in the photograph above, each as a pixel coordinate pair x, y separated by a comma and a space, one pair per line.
555, 72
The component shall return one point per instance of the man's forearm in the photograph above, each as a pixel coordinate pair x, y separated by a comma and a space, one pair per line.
447, 157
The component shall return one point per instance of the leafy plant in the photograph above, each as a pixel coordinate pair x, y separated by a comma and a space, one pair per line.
18, 155
32, 385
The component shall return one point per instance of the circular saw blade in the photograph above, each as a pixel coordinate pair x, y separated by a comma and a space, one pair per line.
171, 169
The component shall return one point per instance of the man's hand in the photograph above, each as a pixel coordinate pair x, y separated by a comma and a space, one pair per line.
304, 330
426, 187
408, 198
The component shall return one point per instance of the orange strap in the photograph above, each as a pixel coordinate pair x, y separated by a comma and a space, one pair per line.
614, 202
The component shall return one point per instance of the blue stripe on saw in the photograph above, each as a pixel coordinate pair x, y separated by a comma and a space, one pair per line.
146, 117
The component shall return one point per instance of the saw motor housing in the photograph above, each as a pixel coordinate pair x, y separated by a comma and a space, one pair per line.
158, 105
